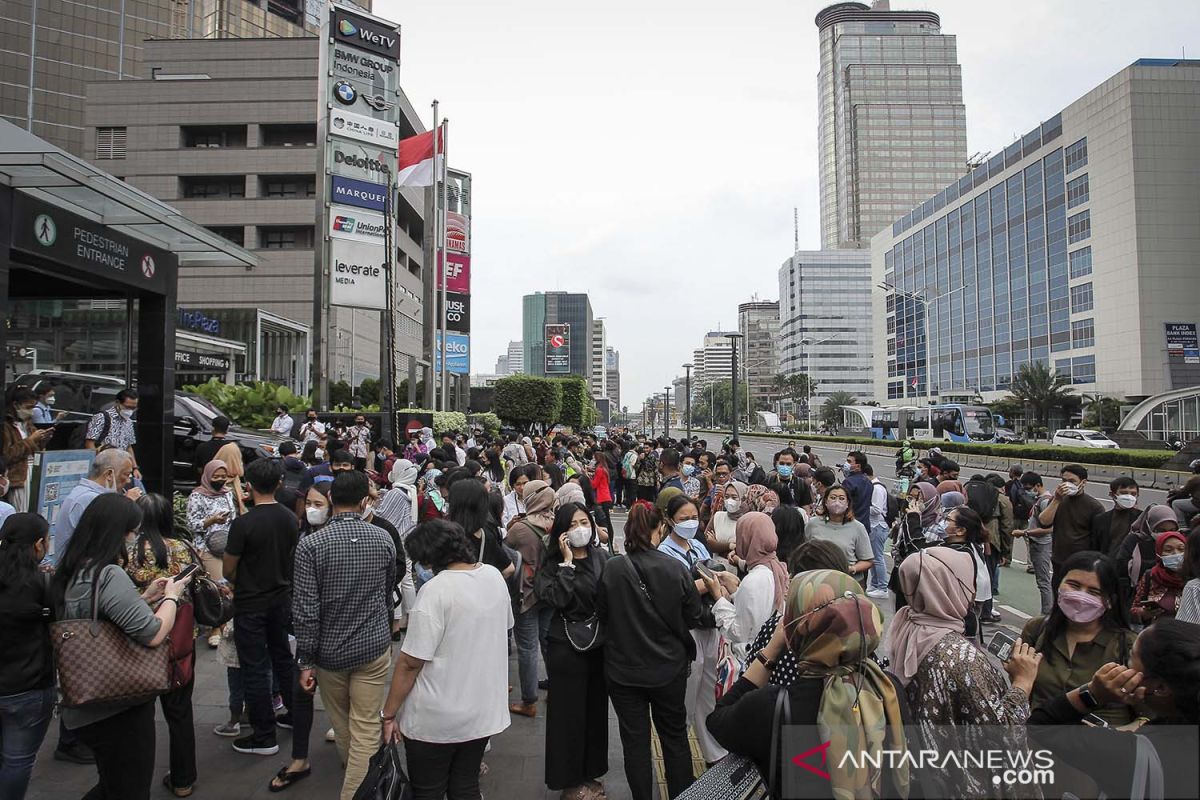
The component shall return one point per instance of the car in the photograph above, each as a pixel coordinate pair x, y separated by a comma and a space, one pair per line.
1077, 437
600, 432
1008, 436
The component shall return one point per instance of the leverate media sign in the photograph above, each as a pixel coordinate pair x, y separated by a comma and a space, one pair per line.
558, 348
356, 274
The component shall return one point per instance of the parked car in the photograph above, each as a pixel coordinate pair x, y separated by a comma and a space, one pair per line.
1076, 437
1008, 436
600, 432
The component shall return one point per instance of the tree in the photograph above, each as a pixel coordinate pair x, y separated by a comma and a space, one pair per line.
340, 394
525, 400
369, 391
796, 388
1103, 413
714, 404
831, 409
1041, 389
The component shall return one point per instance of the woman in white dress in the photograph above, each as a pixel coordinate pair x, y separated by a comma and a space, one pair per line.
722, 526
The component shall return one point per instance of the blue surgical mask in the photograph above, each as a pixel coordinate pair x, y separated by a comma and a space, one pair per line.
687, 529
1173, 562
423, 572
784, 470
846, 468
689, 470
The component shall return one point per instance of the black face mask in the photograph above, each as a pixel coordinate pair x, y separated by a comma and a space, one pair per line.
217, 485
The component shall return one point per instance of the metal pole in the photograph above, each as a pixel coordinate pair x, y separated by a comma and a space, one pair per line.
436, 271
667, 412
445, 276
687, 414
393, 366
735, 390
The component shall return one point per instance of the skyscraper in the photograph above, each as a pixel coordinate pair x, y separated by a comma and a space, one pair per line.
557, 308
73, 44
892, 127
612, 365
599, 380
516, 358
758, 322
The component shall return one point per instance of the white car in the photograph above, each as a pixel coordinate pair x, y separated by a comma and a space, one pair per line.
1074, 437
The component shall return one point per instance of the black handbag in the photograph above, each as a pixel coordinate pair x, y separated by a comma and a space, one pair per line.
385, 778
584, 635
212, 606
736, 777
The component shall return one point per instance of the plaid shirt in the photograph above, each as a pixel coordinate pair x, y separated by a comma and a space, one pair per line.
341, 594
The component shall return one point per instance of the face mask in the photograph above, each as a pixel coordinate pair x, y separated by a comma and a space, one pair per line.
217, 485
127, 413
1125, 500
836, 506
687, 529
312, 419
732, 504
1080, 606
579, 537
689, 470
1030, 497
317, 516
936, 532
1173, 562
111, 483
25, 413
423, 572
845, 468
51, 400
1071, 489
319, 453
784, 470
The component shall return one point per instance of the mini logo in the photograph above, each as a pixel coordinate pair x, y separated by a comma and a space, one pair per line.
44, 230
345, 93
341, 223
376, 102
148, 266
347, 28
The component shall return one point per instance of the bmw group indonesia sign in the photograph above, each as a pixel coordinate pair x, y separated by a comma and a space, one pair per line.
359, 92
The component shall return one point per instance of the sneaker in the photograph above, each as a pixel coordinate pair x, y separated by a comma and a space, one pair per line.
228, 729
276, 703
256, 747
284, 721
544, 684
78, 753
214, 641
330, 736
878, 593
995, 617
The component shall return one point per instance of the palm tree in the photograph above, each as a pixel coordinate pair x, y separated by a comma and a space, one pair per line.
831, 409
1041, 389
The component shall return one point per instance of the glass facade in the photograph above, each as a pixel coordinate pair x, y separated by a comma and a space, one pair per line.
982, 277
540, 309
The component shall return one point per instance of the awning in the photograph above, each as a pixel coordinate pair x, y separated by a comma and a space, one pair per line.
36, 167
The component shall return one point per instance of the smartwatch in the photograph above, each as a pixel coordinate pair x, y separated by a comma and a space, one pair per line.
1089, 700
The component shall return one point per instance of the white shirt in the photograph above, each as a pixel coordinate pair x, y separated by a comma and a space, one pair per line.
752, 604
312, 431
283, 425
512, 507
879, 501
460, 455
459, 626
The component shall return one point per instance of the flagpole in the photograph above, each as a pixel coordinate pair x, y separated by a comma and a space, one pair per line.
445, 275
435, 267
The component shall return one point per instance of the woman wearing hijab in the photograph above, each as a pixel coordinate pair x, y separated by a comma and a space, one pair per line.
950, 486
210, 511
1136, 554
569, 492
231, 456
399, 507
909, 534
763, 589
759, 498
840, 699
722, 526
1157, 593
949, 681
430, 502
527, 536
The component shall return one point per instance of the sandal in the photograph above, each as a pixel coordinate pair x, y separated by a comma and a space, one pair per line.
288, 778
178, 791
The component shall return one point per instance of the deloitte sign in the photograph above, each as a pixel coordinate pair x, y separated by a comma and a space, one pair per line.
358, 161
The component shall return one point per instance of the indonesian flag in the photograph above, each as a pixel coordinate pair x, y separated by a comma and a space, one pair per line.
417, 164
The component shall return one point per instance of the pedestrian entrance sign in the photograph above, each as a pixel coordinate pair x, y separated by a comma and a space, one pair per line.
44, 230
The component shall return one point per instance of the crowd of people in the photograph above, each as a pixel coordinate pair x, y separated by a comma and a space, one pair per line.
738, 593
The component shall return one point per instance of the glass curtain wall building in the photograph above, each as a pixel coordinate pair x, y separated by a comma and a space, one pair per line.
1074, 247
541, 309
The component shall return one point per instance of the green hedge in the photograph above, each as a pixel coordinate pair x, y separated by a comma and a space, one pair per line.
1139, 459
489, 421
525, 400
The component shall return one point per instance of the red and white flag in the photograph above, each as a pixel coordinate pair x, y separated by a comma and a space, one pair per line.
418, 167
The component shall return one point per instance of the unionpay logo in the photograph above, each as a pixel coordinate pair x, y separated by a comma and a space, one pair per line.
347, 28
344, 224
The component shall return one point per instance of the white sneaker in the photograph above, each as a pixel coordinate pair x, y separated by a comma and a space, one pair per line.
330, 736
882, 594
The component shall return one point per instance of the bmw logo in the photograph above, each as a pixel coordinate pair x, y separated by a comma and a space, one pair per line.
347, 28
344, 92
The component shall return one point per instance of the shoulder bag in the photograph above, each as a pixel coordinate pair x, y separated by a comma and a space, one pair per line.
99, 663
688, 647
212, 606
736, 777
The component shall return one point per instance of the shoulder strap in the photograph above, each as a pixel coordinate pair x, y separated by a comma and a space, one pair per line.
641, 579
781, 717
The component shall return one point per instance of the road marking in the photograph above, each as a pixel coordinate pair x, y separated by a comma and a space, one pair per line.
1016, 612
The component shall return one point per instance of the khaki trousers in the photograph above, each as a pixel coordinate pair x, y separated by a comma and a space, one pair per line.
353, 698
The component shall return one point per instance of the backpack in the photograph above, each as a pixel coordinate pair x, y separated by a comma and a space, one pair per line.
757, 476
893, 506
983, 499
79, 437
292, 478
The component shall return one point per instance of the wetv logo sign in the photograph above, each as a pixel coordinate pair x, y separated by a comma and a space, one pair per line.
365, 33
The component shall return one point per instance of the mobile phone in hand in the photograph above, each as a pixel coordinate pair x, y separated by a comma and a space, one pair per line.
704, 571
186, 571
1093, 720
1001, 645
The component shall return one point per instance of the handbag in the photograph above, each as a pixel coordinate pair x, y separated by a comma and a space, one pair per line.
385, 778
728, 667
584, 635
183, 646
98, 663
211, 606
736, 777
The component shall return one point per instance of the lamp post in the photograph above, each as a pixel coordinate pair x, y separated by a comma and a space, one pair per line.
734, 343
667, 412
687, 388
924, 301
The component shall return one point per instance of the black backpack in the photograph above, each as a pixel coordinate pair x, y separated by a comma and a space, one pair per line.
983, 499
78, 438
293, 477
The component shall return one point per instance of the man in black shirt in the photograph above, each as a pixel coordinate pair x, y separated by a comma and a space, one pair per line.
207, 451
258, 562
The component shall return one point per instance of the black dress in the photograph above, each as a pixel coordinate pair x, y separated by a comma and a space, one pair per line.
577, 700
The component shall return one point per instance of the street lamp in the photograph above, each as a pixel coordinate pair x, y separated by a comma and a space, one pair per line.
924, 301
808, 383
687, 388
734, 343
667, 412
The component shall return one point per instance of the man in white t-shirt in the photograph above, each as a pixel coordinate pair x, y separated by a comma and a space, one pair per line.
877, 578
450, 685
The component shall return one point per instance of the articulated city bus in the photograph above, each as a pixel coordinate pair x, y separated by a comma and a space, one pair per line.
955, 422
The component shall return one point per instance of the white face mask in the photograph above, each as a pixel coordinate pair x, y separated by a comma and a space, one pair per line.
366, 513
50, 400
317, 516
1125, 500
127, 413
580, 536
732, 504
1070, 489
687, 529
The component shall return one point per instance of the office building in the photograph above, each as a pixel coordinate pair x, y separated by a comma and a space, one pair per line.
758, 322
612, 366
892, 127
72, 44
557, 308
501, 365
516, 358
1074, 246
598, 383
825, 321
713, 362
240, 157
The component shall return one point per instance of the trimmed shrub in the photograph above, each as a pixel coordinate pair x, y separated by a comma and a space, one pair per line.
526, 400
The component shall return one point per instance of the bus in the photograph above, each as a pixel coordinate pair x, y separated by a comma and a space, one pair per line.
954, 422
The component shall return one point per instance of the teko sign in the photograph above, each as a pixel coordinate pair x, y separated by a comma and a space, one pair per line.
365, 33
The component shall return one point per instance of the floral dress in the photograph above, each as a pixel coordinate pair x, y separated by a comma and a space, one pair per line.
199, 508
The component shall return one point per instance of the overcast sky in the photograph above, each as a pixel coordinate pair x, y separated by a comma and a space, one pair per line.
651, 153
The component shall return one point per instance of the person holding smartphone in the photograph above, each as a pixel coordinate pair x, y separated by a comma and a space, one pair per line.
210, 512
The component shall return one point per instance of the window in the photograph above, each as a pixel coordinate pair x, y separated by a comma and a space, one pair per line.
288, 186
1079, 227
1076, 155
205, 186
1081, 298
234, 233
1083, 369
110, 143
1081, 262
286, 237
213, 136
1077, 191
1083, 333
298, 135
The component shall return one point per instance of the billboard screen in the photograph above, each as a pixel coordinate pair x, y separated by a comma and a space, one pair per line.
558, 349
459, 359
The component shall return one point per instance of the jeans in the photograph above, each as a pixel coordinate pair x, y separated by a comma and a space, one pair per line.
878, 575
124, 748
449, 770
527, 633
353, 698
634, 706
1039, 555
262, 648
24, 718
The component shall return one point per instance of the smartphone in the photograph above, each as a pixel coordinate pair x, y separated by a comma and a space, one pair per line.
188, 570
1001, 645
704, 570
1094, 721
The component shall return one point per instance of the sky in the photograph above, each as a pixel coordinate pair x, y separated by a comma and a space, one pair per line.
651, 154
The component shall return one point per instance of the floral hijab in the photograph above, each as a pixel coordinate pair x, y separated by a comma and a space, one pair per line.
759, 498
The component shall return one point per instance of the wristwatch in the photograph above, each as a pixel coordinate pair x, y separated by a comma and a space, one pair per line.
766, 662
385, 717
1089, 700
